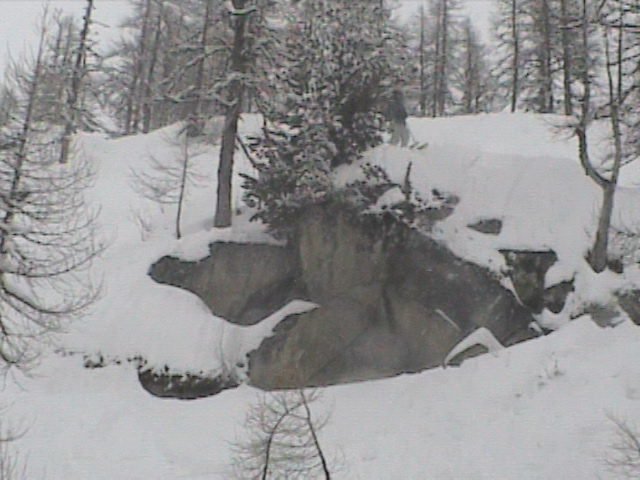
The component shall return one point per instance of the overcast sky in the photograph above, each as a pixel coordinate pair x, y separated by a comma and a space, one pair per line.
18, 30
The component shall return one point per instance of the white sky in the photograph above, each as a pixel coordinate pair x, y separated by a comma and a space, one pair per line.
18, 21
18, 30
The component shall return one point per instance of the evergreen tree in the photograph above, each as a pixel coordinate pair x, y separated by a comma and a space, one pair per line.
330, 81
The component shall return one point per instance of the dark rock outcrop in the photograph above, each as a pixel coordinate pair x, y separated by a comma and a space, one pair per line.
489, 226
386, 307
629, 301
527, 270
390, 301
183, 387
243, 283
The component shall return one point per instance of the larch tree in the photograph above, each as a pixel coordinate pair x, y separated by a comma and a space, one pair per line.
508, 28
472, 76
47, 234
606, 30
78, 74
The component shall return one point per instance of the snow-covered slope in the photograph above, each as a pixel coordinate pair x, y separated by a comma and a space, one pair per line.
537, 410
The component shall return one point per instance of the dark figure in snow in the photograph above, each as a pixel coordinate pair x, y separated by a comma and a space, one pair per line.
397, 115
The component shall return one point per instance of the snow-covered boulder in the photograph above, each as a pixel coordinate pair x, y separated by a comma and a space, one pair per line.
390, 300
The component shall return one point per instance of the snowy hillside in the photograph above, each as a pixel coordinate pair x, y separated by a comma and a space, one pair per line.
536, 410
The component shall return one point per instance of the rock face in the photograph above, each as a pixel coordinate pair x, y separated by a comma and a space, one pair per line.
390, 302
629, 301
386, 307
183, 387
242, 283
527, 270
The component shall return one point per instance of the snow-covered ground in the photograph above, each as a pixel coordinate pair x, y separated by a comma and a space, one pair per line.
534, 411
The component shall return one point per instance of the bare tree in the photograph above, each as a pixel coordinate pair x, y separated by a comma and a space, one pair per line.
283, 440
423, 64
623, 458
509, 29
77, 76
147, 96
567, 50
11, 466
239, 18
473, 74
167, 182
609, 19
47, 234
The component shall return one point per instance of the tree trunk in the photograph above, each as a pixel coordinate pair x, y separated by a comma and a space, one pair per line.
196, 110
148, 84
598, 257
222, 217
469, 73
566, 59
79, 71
183, 184
135, 107
546, 79
436, 61
423, 80
444, 54
515, 81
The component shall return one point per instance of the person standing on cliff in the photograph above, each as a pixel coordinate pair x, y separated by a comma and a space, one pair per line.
397, 115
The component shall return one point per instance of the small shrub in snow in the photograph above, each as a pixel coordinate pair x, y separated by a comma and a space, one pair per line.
282, 439
166, 181
623, 458
11, 468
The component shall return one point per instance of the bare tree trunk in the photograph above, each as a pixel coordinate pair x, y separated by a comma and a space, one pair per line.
79, 72
222, 217
566, 59
199, 85
437, 61
134, 106
444, 54
314, 435
423, 80
183, 184
546, 80
148, 84
469, 74
598, 258
515, 81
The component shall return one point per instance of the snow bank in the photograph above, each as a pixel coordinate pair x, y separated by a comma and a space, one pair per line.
535, 410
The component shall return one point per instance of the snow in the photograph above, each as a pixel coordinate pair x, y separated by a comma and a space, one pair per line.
481, 336
535, 410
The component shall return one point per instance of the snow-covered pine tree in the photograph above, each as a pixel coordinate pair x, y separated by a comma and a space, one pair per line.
326, 111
